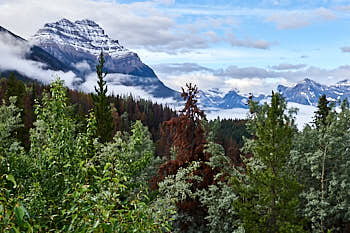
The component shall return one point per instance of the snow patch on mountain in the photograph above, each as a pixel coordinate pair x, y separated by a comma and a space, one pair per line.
308, 92
78, 45
84, 35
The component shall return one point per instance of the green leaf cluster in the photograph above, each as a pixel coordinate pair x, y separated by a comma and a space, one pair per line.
71, 182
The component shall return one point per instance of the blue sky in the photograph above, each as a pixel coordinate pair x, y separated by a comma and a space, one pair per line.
251, 45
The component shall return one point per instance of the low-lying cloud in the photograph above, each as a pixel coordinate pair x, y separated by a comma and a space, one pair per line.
247, 79
13, 53
12, 57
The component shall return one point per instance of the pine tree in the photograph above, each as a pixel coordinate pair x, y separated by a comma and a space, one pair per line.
268, 193
102, 109
189, 142
322, 111
15, 87
188, 134
321, 162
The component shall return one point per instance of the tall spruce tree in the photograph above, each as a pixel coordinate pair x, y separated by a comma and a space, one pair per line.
267, 193
189, 142
322, 112
102, 108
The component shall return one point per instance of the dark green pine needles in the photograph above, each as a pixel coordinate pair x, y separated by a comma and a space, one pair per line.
102, 108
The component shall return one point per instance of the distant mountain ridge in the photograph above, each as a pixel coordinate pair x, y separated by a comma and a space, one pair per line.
305, 92
83, 40
216, 99
308, 92
63, 45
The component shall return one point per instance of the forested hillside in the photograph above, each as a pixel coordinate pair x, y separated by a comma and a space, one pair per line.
126, 110
166, 172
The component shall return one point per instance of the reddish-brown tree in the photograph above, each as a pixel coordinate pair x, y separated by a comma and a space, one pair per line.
189, 141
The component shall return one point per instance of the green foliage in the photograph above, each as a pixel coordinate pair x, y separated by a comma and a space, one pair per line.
267, 194
178, 189
10, 121
13, 215
17, 88
220, 196
70, 181
102, 109
321, 161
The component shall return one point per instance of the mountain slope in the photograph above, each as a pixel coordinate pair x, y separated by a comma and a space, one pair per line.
34, 53
82, 41
308, 92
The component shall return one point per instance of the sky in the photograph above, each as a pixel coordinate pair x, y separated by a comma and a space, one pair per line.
250, 46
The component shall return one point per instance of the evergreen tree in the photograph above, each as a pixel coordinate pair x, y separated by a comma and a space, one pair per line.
102, 109
189, 141
15, 87
321, 162
267, 193
322, 111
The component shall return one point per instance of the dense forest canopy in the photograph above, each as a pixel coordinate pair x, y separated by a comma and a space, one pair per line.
162, 171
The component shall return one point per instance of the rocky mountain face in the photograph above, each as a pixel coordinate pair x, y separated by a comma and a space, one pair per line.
308, 92
71, 44
83, 41
216, 99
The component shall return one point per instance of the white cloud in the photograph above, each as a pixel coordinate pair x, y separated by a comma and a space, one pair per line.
82, 66
115, 86
286, 66
204, 80
146, 24
246, 79
249, 43
304, 115
299, 18
234, 113
13, 58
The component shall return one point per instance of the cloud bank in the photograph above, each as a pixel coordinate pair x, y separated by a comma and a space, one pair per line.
300, 18
246, 79
145, 24
12, 57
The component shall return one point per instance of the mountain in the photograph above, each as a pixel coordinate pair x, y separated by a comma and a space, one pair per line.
216, 99
82, 41
308, 92
33, 53
68, 46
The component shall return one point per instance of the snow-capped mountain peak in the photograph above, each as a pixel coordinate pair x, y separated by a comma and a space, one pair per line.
85, 35
81, 42
344, 82
308, 92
